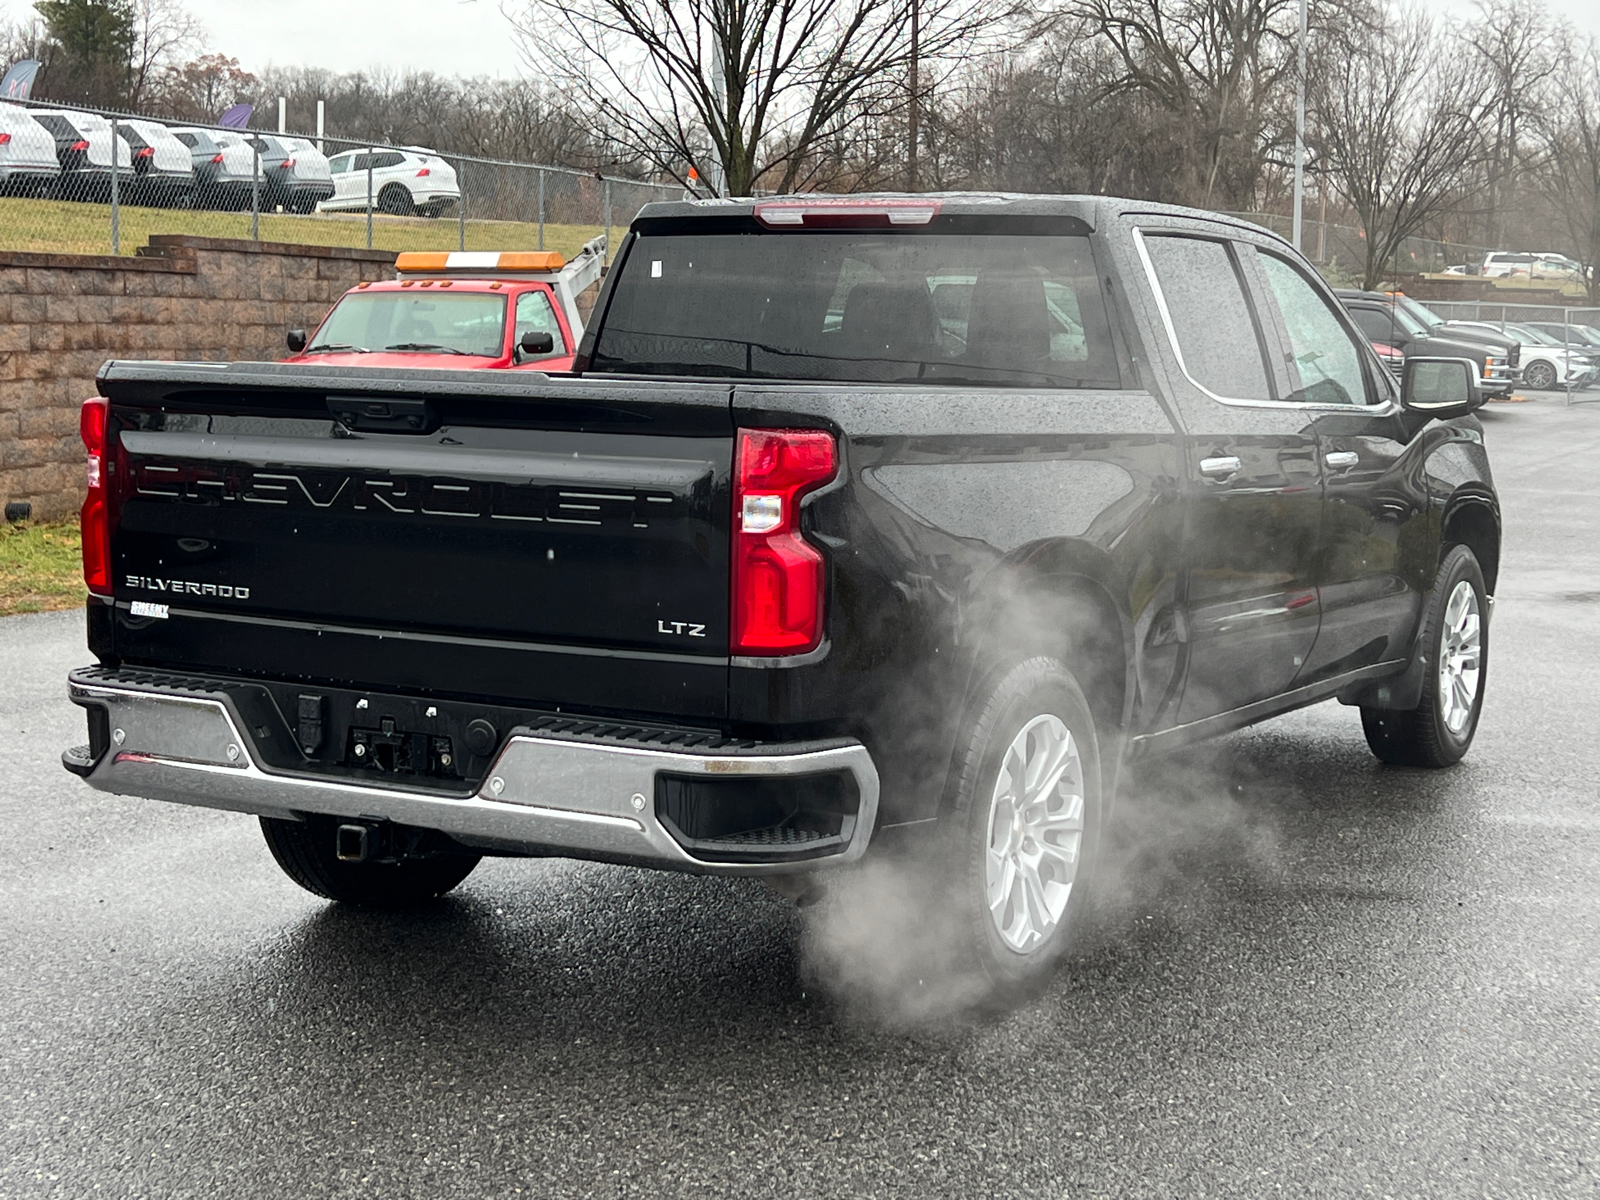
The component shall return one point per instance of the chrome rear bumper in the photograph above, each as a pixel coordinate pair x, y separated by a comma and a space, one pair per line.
544, 794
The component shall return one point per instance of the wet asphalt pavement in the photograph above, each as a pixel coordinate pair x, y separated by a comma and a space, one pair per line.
1316, 977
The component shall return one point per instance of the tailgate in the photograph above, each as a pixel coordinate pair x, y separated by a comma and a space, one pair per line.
451, 532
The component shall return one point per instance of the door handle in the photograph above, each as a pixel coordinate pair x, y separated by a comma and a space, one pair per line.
1340, 459
1221, 466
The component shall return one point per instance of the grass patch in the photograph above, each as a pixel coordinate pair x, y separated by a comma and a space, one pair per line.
41, 567
67, 227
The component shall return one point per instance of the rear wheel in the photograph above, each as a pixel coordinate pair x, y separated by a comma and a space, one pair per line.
1026, 824
396, 201
1455, 640
306, 852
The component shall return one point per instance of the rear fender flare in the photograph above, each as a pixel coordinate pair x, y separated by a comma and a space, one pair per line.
1053, 599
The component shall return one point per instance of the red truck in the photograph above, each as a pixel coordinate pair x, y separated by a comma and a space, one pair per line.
493, 310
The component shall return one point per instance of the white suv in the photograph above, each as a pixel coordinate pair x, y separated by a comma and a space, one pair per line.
402, 182
1543, 264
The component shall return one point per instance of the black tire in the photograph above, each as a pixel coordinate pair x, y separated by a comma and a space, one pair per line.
305, 851
1540, 376
1016, 699
1426, 736
395, 201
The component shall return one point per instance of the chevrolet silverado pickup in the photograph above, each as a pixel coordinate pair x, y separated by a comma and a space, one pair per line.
865, 521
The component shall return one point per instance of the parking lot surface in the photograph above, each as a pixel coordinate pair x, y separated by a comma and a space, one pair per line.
1314, 975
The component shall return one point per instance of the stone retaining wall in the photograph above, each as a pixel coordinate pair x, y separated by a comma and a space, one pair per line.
181, 297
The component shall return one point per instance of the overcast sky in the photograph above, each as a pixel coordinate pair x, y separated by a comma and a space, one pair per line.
453, 37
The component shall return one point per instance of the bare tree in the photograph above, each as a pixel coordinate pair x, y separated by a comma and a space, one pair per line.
1571, 135
1398, 128
753, 87
164, 34
1217, 68
1516, 47
1050, 120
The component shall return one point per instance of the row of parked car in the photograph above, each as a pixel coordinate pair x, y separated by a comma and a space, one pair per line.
72, 155
1537, 355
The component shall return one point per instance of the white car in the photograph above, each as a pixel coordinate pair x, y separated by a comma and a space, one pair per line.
305, 176
86, 151
399, 181
296, 171
222, 172
1541, 264
27, 153
1559, 265
163, 173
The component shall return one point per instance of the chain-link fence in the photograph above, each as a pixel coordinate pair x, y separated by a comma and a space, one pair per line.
86, 182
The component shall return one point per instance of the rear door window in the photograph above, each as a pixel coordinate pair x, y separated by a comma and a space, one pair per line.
1212, 326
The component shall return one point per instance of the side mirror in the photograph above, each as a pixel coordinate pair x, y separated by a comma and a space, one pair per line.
537, 343
297, 340
1440, 387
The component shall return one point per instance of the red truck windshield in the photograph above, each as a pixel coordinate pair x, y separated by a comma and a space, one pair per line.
991, 309
433, 322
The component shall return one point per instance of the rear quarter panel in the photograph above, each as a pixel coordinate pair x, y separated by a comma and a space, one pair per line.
968, 528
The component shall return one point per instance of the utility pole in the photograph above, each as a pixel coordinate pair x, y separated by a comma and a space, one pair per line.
913, 133
1300, 131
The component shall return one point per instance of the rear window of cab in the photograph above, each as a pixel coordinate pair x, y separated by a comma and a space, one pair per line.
1017, 310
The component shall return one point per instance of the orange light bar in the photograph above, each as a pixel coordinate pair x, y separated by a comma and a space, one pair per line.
413, 260
478, 261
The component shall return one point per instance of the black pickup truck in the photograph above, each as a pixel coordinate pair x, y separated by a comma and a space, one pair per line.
865, 520
1396, 320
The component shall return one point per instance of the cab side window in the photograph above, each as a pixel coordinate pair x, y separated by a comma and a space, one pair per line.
1376, 325
1212, 325
535, 315
1325, 355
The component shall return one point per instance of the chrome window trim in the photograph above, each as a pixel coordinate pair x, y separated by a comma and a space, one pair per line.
1383, 406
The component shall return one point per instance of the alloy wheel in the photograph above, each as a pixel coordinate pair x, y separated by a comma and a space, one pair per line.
1035, 833
1460, 658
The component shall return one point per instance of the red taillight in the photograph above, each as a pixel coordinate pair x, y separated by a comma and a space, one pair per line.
288, 162
4, 138
216, 158
80, 146
422, 172
777, 574
147, 152
95, 522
